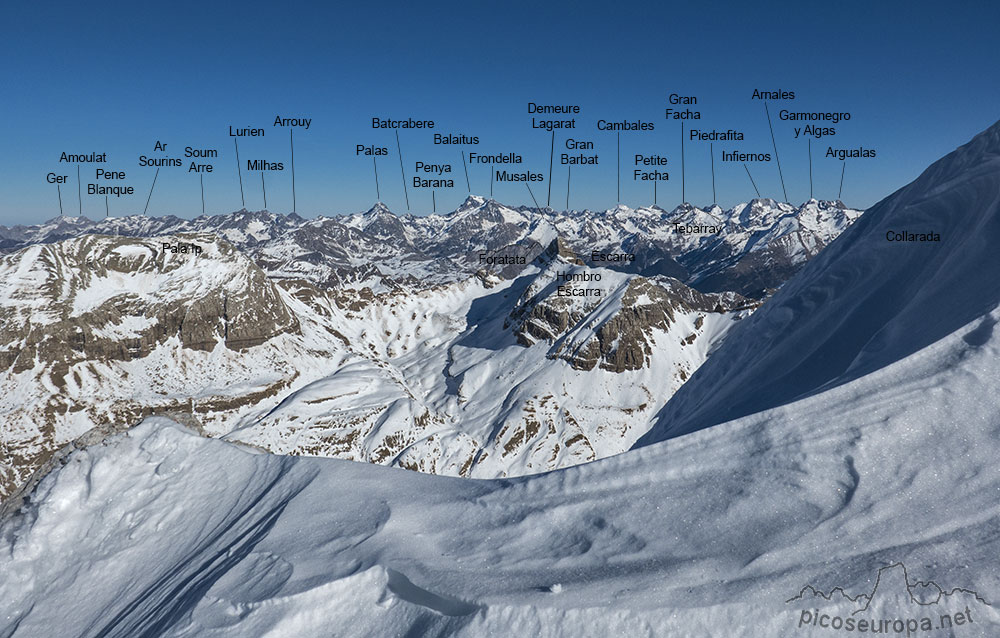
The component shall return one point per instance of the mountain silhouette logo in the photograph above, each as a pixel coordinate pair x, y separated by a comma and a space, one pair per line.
890, 580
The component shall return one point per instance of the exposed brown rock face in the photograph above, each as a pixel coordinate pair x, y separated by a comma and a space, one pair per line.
50, 316
73, 310
617, 334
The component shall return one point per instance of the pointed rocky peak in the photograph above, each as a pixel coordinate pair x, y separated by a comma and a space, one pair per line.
760, 203
558, 248
472, 202
683, 209
377, 210
381, 222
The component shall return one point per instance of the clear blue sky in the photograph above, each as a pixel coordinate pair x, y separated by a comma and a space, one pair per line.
918, 78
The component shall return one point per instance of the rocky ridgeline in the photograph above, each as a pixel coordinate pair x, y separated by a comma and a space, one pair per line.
115, 298
613, 326
217, 320
81, 321
750, 248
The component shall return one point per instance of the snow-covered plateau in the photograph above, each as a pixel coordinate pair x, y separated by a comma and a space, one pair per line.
828, 469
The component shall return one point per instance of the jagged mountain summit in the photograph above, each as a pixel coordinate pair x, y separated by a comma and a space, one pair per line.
882, 455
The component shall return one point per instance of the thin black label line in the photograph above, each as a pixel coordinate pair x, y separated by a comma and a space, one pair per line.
263, 188
683, 182
775, 145
378, 191
552, 151
239, 171
468, 186
751, 180
491, 181
843, 168
810, 146
399, 151
201, 178
619, 168
291, 141
532, 196
654, 191
79, 195
711, 151
59, 193
107, 207
155, 175
434, 202
569, 176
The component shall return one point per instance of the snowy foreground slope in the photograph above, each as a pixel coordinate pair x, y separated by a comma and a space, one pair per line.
872, 500
865, 301
160, 532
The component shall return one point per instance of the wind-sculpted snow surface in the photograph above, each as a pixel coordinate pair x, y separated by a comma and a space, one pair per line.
159, 532
868, 300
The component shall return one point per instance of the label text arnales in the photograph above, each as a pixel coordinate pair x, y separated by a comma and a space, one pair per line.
772, 95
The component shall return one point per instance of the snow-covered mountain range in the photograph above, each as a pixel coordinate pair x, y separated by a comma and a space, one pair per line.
865, 440
748, 249
372, 337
